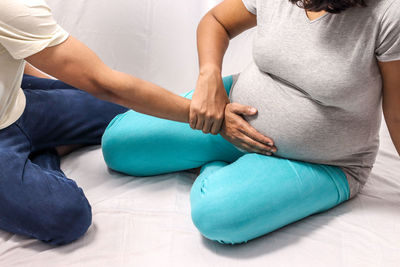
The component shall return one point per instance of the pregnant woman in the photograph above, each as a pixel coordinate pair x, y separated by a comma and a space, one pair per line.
320, 74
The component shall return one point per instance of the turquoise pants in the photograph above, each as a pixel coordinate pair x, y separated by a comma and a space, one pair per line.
237, 196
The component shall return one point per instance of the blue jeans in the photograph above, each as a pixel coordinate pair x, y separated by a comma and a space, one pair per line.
238, 196
36, 198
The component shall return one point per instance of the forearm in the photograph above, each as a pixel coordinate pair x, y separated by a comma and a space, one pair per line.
129, 91
144, 97
74, 63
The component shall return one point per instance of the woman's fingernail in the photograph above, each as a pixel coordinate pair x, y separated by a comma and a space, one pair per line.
270, 144
268, 154
253, 110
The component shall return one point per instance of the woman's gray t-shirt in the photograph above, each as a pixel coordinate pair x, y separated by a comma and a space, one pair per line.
317, 84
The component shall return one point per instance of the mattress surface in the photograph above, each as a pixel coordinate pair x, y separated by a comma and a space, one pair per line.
146, 221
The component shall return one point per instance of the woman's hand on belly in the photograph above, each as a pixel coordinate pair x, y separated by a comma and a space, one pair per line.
239, 132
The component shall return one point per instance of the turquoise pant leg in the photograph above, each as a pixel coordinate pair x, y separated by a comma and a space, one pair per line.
142, 145
258, 194
230, 203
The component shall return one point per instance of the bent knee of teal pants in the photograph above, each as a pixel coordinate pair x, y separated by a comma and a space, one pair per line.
257, 194
238, 196
142, 145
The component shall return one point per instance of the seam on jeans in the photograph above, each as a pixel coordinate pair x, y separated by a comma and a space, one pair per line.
30, 148
26, 135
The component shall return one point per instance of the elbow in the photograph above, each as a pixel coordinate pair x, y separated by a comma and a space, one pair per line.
212, 19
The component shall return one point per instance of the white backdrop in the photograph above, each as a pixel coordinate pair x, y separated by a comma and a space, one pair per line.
152, 39
146, 221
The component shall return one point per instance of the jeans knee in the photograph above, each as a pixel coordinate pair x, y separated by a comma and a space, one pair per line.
67, 220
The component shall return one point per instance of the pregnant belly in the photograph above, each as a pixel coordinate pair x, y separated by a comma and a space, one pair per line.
301, 128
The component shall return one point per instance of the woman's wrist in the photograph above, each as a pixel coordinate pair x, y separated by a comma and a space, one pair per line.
208, 70
209, 78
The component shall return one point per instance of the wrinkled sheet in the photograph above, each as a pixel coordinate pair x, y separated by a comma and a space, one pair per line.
146, 221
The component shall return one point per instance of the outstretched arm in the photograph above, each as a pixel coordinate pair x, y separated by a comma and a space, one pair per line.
391, 99
74, 63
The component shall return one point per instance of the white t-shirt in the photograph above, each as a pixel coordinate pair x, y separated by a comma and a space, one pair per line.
26, 27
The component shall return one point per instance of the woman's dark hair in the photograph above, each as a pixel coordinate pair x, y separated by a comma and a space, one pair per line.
331, 6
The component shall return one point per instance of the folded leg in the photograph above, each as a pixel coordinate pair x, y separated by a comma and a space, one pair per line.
143, 145
258, 194
36, 199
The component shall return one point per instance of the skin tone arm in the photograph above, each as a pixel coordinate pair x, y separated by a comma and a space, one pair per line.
222, 23
74, 63
391, 99
31, 70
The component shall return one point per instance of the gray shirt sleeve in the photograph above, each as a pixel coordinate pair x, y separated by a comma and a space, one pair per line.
251, 6
388, 42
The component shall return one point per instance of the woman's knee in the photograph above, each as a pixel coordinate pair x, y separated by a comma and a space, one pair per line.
131, 143
121, 142
111, 143
218, 222
214, 215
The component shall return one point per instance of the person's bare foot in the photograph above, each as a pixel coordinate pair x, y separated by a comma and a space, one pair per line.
65, 150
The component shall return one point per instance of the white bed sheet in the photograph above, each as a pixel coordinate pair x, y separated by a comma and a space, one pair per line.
146, 221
